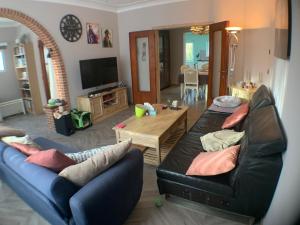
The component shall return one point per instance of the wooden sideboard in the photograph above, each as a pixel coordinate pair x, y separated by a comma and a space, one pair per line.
104, 104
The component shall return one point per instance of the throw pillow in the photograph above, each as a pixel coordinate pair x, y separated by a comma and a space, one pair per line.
8, 131
214, 163
220, 140
237, 116
26, 140
82, 173
51, 159
26, 149
79, 157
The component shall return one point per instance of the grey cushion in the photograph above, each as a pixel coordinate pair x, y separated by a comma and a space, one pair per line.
261, 98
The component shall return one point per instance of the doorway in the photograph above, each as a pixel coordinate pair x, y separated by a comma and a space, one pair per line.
47, 39
187, 46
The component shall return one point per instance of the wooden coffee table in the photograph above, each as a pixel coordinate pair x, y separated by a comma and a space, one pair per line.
155, 135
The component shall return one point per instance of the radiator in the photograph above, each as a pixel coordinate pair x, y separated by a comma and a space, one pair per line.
12, 107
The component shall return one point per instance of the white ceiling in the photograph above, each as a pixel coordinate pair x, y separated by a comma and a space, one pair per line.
114, 5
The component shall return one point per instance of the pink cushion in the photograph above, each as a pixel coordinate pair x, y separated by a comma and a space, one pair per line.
238, 115
51, 159
26, 149
214, 163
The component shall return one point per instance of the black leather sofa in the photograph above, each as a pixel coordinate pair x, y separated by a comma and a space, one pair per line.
249, 188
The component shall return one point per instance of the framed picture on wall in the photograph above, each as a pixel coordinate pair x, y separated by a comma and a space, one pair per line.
92, 32
107, 38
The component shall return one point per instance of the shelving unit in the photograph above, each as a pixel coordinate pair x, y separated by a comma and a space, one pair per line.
24, 62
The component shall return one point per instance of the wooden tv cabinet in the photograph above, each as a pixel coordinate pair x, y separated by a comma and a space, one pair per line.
104, 104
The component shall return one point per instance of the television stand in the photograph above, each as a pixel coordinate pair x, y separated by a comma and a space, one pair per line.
102, 90
103, 104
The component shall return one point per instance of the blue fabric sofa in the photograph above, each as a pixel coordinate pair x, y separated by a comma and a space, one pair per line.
107, 199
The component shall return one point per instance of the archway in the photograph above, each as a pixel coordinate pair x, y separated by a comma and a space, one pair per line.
57, 60
48, 41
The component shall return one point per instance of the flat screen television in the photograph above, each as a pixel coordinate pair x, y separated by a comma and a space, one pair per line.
97, 72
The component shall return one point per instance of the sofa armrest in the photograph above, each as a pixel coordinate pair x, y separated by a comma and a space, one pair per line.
110, 197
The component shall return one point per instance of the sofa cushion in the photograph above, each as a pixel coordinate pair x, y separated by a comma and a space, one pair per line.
51, 159
177, 162
79, 157
261, 98
9, 131
265, 133
82, 173
26, 149
209, 122
42, 179
236, 117
214, 163
26, 140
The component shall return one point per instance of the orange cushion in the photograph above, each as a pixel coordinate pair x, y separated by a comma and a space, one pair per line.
238, 115
26, 149
214, 163
51, 159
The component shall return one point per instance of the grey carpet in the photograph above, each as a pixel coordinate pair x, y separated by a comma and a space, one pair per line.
13, 211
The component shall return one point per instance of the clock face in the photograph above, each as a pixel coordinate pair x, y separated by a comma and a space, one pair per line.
71, 28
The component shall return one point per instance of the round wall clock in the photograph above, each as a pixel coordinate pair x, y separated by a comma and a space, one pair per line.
70, 28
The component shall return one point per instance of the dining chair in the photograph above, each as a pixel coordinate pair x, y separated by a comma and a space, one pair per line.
191, 81
182, 69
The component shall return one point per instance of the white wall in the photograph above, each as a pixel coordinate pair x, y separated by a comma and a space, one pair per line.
9, 87
50, 14
176, 53
286, 201
249, 14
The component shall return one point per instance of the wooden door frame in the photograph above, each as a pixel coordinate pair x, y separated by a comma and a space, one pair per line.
224, 59
168, 56
44, 70
154, 69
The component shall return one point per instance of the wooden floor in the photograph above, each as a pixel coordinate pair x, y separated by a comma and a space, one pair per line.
175, 211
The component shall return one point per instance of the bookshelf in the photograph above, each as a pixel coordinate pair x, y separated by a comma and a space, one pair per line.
24, 63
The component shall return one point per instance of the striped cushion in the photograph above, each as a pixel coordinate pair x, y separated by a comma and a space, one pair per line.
214, 163
79, 157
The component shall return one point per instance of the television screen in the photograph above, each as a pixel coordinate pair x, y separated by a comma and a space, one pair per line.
96, 72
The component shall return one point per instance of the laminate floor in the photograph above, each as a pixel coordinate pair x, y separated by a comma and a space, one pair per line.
175, 211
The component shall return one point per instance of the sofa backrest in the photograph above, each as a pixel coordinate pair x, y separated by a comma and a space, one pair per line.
261, 98
56, 189
260, 161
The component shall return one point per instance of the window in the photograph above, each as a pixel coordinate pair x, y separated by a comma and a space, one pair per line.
2, 68
195, 49
189, 53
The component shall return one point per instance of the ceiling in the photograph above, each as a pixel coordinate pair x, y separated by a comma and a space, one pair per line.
114, 5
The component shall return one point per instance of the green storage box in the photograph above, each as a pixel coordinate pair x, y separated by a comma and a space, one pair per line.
81, 120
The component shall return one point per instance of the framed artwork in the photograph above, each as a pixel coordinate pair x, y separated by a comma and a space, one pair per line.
107, 38
92, 32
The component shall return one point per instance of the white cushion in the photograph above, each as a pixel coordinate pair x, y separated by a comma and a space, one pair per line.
82, 173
